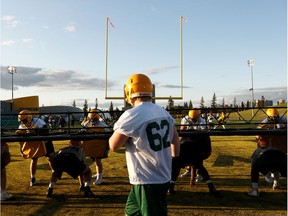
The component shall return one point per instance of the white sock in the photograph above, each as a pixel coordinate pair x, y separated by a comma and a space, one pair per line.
87, 184
51, 184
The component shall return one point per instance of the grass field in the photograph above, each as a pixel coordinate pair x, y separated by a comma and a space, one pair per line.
229, 167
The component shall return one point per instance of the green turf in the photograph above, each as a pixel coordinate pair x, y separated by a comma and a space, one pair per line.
229, 167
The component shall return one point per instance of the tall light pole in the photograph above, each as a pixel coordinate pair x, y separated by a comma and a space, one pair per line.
12, 70
250, 64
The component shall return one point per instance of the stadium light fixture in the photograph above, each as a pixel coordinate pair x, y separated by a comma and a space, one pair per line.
12, 70
251, 64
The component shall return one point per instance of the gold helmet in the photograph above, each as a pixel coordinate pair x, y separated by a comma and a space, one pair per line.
138, 85
25, 116
272, 112
93, 114
194, 114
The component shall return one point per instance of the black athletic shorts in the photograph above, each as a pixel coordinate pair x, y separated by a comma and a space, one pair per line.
69, 163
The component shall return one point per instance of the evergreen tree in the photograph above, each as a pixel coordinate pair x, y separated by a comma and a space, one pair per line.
248, 104
85, 108
111, 107
170, 103
111, 110
214, 101
202, 103
190, 105
185, 106
234, 102
96, 103
242, 106
74, 103
223, 102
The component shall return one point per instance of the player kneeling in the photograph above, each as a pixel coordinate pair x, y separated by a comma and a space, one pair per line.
265, 160
70, 160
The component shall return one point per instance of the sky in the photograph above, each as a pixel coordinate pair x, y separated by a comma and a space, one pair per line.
60, 53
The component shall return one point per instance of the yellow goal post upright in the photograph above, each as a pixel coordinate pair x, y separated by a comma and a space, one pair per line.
154, 97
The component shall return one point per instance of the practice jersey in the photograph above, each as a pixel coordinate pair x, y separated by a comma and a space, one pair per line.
32, 149
148, 151
96, 148
199, 125
211, 119
73, 150
96, 127
280, 123
35, 122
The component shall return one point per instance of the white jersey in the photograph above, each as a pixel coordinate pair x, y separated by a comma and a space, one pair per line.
99, 123
281, 122
35, 122
148, 151
200, 124
211, 119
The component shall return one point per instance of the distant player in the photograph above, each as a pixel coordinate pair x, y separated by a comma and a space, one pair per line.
33, 149
267, 159
272, 121
193, 121
70, 160
192, 153
96, 148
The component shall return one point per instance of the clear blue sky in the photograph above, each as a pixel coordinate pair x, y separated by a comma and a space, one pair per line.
58, 48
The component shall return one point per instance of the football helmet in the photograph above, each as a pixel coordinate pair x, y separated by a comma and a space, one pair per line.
138, 85
93, 114
194, 114
272, 112
25, 116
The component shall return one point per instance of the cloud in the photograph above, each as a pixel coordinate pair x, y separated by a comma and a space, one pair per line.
161, 85
10, 21
70, 28
158, 70
27, 40
269, 93
8, 43
52, 80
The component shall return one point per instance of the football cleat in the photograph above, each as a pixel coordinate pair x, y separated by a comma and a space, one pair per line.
199, 178
81, 188
98, 181
5, 196
212, 189
254, 193
33, 181
186, 174
171, 189
88, 192
269, 178
49, 192
275, 186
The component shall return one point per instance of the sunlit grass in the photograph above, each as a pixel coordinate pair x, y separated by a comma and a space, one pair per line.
229, 167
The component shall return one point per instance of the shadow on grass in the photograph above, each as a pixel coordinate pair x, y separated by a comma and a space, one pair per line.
229, 199
228, 160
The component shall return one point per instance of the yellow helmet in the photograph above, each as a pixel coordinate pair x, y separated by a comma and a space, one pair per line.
272, 112
93, 114
25, 116
138, 85
194, 114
